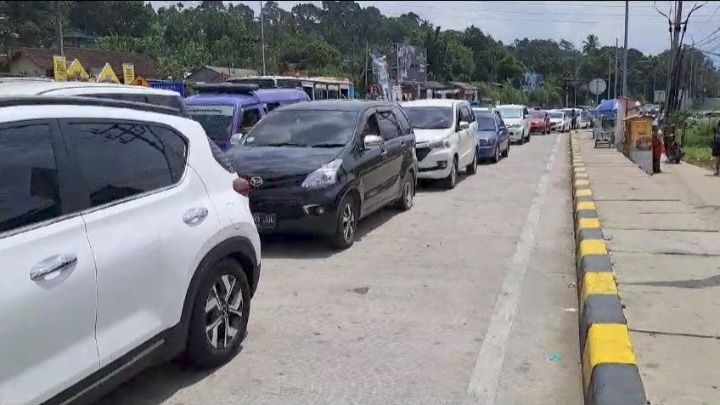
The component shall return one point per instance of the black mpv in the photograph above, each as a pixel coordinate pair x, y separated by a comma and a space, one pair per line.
319, 167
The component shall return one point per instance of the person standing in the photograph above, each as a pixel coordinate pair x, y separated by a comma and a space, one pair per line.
716, 149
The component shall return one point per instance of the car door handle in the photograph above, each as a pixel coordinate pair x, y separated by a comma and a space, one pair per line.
194, 216
53, 264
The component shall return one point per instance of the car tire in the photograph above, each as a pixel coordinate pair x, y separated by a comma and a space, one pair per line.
472, 167
450, 181
346, 223
226, 285
506, 153
528, 138
407, 193
496, 155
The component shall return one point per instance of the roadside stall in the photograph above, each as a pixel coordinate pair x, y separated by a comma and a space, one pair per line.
638, 141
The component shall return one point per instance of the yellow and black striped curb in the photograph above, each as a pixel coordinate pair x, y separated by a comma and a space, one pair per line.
610, 373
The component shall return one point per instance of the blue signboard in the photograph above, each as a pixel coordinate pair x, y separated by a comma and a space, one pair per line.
165, 85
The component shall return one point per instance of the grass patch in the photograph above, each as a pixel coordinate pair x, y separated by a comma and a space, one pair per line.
699, 156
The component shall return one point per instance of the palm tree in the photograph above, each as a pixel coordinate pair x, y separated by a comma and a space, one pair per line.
590, 43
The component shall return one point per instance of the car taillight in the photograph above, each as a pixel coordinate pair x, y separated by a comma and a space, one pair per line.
241, 186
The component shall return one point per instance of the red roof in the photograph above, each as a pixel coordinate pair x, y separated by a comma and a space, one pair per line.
144, 65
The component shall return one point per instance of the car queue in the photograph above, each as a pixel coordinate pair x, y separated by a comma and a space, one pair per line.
113, 192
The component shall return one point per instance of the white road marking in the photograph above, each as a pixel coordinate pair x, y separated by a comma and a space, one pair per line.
485, 377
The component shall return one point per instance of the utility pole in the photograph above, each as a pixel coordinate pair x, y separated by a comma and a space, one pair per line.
367, 52
262, 36
615, 88
59, 21
625, 51
609, 82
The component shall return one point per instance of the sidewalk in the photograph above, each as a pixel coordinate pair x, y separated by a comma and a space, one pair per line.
663, 235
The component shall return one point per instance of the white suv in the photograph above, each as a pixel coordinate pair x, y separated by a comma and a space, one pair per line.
445, 138
123, 242
138, 94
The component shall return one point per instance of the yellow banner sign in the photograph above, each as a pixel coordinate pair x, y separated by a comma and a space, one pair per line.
107, 75
140, 81
76, 71
128, 73
60, 68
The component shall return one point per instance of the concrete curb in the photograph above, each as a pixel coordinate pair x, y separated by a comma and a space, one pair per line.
610, 373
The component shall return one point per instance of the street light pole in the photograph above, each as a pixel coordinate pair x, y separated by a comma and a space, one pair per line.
262, 36
625, 51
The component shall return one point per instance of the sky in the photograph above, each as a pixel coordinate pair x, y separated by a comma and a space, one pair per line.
570, 20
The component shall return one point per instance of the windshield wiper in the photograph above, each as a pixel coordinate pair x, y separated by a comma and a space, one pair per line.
328, 145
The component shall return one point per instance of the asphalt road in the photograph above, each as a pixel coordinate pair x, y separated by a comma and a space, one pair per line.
468, 298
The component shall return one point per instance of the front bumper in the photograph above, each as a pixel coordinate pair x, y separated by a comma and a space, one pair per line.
540, 129
516, 134
486, 151
298, 210
434, 163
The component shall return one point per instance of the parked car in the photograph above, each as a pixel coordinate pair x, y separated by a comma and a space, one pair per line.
319, 167
585, 120
227, 111
123, 242
539, 122
559, 120
445, 132
138, 94
517, 120
493, 139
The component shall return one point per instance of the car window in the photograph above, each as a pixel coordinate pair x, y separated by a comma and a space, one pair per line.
119, 160
499, 120
370, 127
29, 181
250, 117
405, 128
525, 111
465, 114
430, 117
216, 120
389, 127
485, 122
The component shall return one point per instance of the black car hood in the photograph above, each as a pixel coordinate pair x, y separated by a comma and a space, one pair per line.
279, 161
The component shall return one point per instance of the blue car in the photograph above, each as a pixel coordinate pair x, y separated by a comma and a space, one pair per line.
493, 138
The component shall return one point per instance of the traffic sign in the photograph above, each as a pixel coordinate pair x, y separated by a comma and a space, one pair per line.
128, 72
597, 86
59, 68
76, 71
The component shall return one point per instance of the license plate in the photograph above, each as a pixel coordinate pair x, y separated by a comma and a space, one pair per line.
265, 220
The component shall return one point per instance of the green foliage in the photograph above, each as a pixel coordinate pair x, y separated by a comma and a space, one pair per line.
699, 134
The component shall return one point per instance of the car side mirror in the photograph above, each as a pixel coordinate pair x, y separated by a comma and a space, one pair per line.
235, 139
372, 141
463, 125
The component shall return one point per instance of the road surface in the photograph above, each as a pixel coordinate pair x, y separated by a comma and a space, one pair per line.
468, 298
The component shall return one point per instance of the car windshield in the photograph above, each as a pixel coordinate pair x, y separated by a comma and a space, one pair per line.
303, 128
510, 112
537, 114
216, 120
485, 122
430, 117
556, 115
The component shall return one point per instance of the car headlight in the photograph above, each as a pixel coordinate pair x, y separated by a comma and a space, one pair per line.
440, 143
326, 175
514, 126
486, 141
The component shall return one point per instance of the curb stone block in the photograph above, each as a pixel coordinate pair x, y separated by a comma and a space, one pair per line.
610, 373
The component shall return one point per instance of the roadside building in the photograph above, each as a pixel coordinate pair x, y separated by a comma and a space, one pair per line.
38, 61
218, 74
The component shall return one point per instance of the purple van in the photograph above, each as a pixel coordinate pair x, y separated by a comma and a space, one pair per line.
227, 111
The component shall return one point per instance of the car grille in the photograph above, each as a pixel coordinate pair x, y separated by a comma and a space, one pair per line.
280, 181
421, 153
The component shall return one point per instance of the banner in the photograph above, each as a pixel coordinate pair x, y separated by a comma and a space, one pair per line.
107, 75
76, 71
128, 73
60, 68
411, 62
380, 72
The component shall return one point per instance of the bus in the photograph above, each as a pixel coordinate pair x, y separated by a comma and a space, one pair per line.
317, 88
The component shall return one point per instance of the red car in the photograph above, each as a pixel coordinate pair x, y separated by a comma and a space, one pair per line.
539, 122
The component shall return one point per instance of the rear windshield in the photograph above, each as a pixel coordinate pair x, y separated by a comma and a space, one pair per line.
429, 117
314, 129
485, 122
510, 112
537, 114
216, 120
